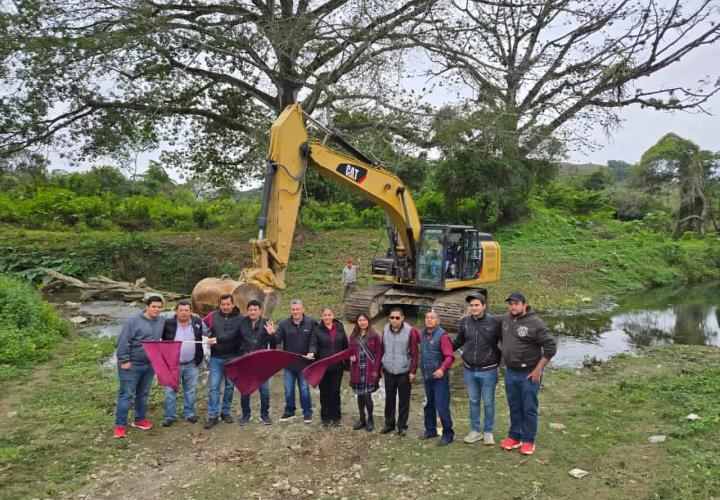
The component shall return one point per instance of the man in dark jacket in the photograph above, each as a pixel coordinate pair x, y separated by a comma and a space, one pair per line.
527, 347
225, 340
134, 369
254, 330
184, 326
294, 333
478, 338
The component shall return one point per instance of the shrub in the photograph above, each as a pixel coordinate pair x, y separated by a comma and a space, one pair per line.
29, 329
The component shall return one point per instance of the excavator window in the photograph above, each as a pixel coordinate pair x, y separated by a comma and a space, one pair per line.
430, 256
472, 257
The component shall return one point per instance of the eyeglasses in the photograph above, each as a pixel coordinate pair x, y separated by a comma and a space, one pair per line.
394, 317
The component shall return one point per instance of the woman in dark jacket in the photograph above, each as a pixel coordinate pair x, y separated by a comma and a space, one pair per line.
365, 365
329, 338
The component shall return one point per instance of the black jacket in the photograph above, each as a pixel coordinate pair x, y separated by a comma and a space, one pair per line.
255, 339
323, 347
296, 338
171, 329
226, 329
479, 339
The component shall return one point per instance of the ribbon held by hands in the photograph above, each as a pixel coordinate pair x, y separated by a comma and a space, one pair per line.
164, 356
315, 372
250, 371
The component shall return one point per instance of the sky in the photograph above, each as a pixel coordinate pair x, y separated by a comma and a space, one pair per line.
641, 128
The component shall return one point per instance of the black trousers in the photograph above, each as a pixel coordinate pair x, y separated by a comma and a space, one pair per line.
330, 395
397, 385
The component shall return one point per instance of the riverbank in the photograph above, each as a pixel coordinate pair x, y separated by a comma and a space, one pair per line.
560, 261
56, 440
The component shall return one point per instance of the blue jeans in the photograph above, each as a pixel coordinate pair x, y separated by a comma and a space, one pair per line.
135, 382
481, 386
217, 374
188, 378
264, 401
291, 378
437, 393
522, 397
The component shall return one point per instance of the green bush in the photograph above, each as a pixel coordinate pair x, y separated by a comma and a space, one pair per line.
29, 329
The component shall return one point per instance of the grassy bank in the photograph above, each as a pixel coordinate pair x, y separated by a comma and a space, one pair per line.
56, 440
559, 260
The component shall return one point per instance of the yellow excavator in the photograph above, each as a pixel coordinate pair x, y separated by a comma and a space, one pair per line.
426, 266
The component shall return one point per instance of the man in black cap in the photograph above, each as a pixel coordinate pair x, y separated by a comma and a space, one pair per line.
527, 347
478, 338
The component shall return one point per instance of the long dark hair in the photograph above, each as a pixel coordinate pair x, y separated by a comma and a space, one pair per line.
356, 330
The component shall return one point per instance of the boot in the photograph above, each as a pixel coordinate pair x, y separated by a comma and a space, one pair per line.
360, 424
370, 423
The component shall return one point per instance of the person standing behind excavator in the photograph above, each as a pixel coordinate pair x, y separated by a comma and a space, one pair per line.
349, 278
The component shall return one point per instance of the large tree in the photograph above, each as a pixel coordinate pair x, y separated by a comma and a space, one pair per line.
99, 76
542, 70
680, 162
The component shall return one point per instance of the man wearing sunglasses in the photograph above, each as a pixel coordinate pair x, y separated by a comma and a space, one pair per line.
400, 362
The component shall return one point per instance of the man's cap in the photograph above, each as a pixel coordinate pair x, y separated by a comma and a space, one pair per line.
516, 296
476, 295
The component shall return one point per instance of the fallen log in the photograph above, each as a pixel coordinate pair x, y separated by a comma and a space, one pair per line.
103, 288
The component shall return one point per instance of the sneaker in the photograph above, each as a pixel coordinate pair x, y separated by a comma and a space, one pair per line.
211, 422
285, 417
192, 420
266, 420
387, 429
527, 448
307, 419
325, 423
167, 422
488, 438
336, 423
245, 420
509, 444
473, 437
144, 425
227, 418
425, 436
119, 432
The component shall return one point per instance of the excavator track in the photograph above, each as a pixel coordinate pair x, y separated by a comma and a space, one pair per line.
451, 306
368, 301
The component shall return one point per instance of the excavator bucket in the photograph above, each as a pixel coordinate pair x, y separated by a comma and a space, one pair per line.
206, 295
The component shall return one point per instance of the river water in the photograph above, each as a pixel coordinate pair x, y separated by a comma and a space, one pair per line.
680, 315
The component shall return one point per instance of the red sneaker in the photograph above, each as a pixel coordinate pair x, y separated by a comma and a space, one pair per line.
144, 425
509, 444
119, 432
527, 448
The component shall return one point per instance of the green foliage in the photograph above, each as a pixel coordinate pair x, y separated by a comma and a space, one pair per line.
620, 169
316, 216
576, 201
29, 330
483, 189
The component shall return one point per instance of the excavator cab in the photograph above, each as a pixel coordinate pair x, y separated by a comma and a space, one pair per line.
449, 254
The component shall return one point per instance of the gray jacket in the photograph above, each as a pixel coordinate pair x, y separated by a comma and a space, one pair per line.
136, 329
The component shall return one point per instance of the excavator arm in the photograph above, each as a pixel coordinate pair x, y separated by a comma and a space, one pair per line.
290, 154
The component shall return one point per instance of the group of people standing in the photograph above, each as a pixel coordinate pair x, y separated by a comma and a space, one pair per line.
519, 337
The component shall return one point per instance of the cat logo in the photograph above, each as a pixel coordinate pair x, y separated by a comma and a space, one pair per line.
354, 172
522, 331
